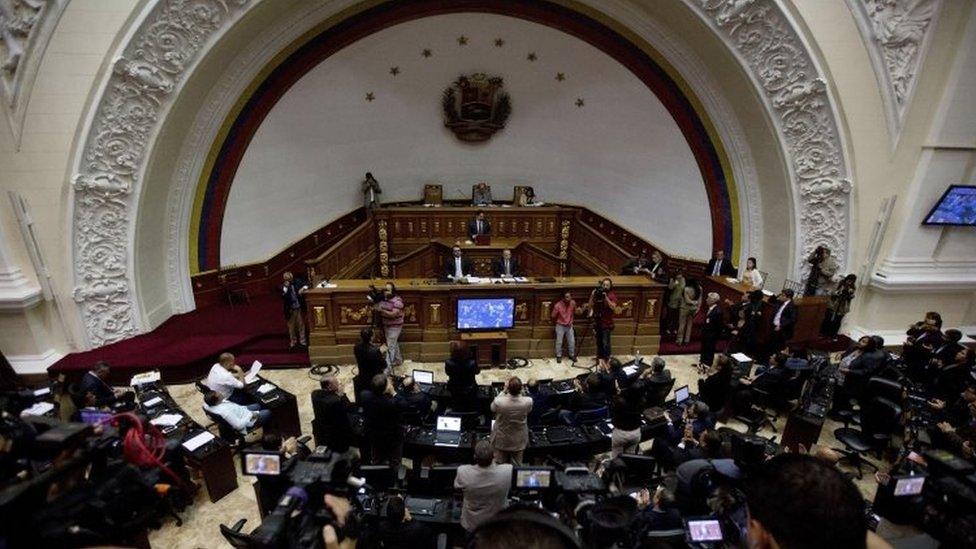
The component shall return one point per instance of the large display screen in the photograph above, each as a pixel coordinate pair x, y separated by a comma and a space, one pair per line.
956, 207
495, 313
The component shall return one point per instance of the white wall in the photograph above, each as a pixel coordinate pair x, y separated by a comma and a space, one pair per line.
621, 154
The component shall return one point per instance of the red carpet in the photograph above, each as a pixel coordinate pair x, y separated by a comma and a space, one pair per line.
184, 347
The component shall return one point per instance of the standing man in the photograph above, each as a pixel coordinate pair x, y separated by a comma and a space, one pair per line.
371, 192
479, 225
783, 322
510, 432
391, 312
719, 266
457, 267
563, 314
602, 306
823, 267
712, 329
481, 196
507, 266
484, 486
293, 301
382, 422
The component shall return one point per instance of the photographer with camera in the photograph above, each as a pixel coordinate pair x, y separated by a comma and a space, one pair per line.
389, 305
823, 267
602, 306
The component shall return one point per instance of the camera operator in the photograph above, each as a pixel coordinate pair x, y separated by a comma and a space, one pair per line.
602, 306
823, 267
390, 309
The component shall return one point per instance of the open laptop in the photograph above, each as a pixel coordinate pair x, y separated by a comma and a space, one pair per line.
448, 431
252, 375
682, 398
423, 378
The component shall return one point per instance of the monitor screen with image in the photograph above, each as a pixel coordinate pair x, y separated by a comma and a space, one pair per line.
909, 486
957, 206
681, 394
261, 463
493, 313
446, 423
528, 478
700, 530
423, 376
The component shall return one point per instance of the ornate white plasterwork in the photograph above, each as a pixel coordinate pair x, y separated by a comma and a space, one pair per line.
764, 39
112, 158
26, 27
897, 35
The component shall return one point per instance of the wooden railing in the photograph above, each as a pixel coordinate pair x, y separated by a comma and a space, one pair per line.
424, 262
350, 257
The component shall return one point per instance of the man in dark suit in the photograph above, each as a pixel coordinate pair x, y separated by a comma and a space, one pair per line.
506, 265
719, 266
457, 267
293, 302
712, 330
331, 426
412, 400
95, 390
382, 422
479, 225
784, 321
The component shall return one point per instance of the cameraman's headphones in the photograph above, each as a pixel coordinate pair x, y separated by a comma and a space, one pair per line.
532, 516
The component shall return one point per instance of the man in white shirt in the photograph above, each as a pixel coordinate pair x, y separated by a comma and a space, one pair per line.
227, 379
457, 266
507, 266
241, 418
485, 486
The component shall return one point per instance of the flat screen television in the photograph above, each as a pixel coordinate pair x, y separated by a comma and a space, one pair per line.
956, 207
485, 313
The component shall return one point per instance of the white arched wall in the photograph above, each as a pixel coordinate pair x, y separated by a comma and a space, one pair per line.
129, 296
620, 154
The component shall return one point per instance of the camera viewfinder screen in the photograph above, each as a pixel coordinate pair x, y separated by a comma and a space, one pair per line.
957, 206
909, 486
496, 313
532, 478
262, 464
704, 530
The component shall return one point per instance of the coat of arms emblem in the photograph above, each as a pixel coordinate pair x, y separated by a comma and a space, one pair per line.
480, 111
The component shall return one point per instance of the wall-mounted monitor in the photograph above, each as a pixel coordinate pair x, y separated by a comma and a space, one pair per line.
956, 207
491, 313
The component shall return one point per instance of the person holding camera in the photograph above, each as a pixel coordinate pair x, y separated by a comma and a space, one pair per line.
390, 309
602, 306
838, 306
823, 267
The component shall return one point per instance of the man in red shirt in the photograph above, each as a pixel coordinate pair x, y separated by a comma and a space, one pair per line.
563, 313
603, 305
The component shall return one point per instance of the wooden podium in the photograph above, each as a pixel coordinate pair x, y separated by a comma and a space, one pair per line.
488, 348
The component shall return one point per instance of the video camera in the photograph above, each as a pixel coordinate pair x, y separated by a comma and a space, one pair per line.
299, 516
375, 295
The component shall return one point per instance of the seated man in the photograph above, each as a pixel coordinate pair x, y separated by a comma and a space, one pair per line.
484, 486
588, 396
641, 265
796, 500
95, 390
241, 418
457, 267
507, 266
657, 513
412, 400
658, 372
479, 225
481, 195
400, 531
227, 379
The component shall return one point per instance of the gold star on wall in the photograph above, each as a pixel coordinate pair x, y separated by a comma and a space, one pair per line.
426, 52
579, 102
499, 42
560, 76
532, 56
370, 97
394, 70
462, 40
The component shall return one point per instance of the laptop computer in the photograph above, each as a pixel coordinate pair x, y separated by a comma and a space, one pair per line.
682, 398
448, 431
423, 378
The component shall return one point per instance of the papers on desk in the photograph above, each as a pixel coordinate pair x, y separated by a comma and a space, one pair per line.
154, 401
741, 357
252, 374
325, 284
767, 293
143, 378
166, 420
631, 370
732, 280
43, 391
198, 441
478, 280
266, 388
521, 279
38, 409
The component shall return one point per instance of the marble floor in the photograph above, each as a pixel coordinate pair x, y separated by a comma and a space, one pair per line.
201, 520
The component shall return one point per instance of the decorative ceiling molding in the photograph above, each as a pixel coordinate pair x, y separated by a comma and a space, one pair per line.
129, 111
897, 36
766, 42
26, 27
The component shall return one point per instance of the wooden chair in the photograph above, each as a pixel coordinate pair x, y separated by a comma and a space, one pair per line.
231, 281
433, 194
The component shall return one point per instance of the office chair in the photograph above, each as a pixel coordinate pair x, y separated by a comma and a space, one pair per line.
201, 387
225, 431
234, 536
592, 416
880, 418
886, 388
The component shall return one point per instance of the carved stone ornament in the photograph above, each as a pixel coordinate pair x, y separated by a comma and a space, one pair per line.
138, 91
762, 36
896, 33
481, 109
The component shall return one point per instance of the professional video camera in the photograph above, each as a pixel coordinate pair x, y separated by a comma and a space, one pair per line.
300, 514
375, 295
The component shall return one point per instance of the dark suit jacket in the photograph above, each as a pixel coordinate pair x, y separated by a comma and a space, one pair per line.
726, 269
714, 322
417, 403
406, 535
90, 383
381, 419
332, 426
296, 284
369, 362
449, 265
500, 267
473, 227
461, 381
787, 321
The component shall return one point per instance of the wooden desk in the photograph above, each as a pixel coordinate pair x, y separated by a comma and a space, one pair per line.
482, 256
336, 315
489, 348
810, 311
